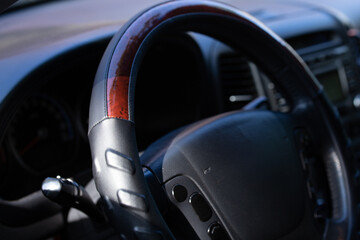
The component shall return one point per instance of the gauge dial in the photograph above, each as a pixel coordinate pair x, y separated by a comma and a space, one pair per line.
41, 135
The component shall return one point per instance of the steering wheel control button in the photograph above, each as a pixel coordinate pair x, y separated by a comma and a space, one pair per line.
201, 207
119, 161
195, 208
315, 176
217, 232
180, 193
132, 200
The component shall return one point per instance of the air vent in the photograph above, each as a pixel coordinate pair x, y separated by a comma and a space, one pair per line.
237, 81
314, 39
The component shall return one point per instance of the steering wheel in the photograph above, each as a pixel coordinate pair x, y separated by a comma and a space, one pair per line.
255, 174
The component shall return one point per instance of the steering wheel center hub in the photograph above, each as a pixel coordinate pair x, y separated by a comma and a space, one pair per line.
249, 166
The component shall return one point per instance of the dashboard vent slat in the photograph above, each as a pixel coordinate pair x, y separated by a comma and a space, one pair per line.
237, 81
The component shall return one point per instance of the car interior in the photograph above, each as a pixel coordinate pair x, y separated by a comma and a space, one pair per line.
183, 119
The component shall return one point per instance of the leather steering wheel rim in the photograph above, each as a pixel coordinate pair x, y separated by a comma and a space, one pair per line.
116, 167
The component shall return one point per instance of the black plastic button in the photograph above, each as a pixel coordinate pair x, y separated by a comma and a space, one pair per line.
217, 232
180, 193
201, 207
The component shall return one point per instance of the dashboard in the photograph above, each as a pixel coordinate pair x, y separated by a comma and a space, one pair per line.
48, 67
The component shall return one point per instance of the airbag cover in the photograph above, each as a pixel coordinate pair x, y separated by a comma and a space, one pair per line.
247, 167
